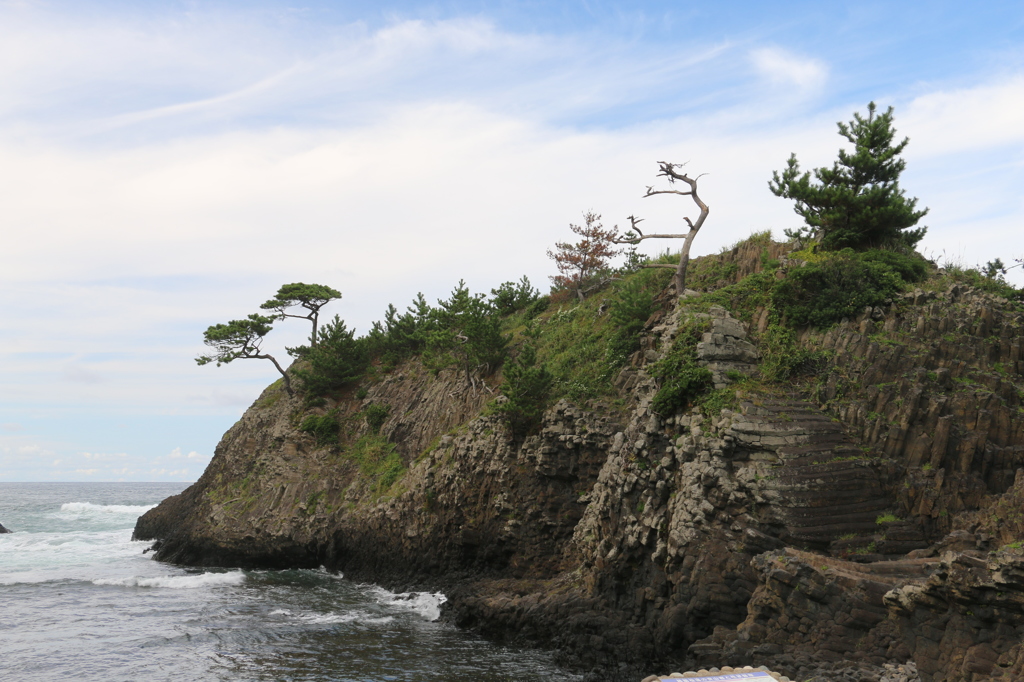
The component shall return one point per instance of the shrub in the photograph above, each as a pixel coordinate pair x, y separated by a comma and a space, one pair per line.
682, 379
823, 293
323, 428
511, 297
336, 360
376, 414
526, 386
631, 305
465, 334
537, 307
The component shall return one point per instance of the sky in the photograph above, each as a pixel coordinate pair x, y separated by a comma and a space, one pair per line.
165, 166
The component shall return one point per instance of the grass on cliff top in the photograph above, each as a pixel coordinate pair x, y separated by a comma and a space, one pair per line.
585, 344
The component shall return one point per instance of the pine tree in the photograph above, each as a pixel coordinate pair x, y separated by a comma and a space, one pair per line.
582, 264
858, 202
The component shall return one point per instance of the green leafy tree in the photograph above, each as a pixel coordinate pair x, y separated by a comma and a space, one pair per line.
312, 297
465, 333
857, 203
526, 388
511, 297
402, 335
336, 360
240, 339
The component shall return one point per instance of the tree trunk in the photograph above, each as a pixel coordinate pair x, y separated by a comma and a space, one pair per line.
287, 381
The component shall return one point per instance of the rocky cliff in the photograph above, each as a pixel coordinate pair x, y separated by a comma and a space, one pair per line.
866, 514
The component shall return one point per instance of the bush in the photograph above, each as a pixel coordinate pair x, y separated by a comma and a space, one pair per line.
401, 335
537, 307
376, 414
526, 387
823, 293
511, 297
323, 428
630, 307
682, 379
911, 268
336, 360
466, 334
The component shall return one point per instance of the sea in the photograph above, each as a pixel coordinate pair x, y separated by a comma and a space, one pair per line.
79, 600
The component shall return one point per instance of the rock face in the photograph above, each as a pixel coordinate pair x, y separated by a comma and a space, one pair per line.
835, 529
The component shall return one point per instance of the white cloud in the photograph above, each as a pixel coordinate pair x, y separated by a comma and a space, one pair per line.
176, 453
103, 457
966, 119
165, 174
783, 67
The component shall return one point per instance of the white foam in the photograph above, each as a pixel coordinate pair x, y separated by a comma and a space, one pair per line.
89, 507
178, 582
355, 616
426, 604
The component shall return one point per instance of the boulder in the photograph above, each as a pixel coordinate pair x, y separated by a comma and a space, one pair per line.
4, 530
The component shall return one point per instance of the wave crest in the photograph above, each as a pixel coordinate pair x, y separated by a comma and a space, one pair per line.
178, 582
87, 507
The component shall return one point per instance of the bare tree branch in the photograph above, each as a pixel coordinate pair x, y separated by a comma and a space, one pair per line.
635, 236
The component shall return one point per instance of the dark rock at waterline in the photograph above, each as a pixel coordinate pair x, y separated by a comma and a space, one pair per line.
4, 530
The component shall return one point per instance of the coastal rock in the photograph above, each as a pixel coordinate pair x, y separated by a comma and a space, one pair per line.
842, 528
4, 530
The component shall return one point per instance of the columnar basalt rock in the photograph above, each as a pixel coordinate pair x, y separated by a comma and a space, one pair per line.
725, 348
833, 530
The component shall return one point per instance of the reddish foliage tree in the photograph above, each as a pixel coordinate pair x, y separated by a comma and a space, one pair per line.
583, 264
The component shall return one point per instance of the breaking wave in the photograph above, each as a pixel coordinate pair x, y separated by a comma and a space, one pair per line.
178, 582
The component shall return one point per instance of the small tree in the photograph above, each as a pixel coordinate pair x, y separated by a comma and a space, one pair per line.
857, 203
581, 264
465, 333
635, 236
338, 359
240, 339
312, 297
526, 388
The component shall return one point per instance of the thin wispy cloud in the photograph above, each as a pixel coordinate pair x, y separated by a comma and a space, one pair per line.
784, 68
165, 170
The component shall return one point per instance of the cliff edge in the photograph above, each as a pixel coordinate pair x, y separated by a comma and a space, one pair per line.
863, 510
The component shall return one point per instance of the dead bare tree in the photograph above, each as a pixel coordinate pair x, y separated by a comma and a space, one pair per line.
635, 236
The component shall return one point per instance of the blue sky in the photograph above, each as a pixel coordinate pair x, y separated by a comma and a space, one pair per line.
167, 165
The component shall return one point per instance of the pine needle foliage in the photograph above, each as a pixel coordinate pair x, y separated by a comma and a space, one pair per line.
857, 203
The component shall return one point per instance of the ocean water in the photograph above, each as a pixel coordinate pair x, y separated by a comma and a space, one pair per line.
80, 601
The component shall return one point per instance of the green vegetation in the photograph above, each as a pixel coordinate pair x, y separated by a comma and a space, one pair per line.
337, 360
311, 297
887, 519
324, 428
378, 460
376, 414
465, 333
843, 284
858, 202
511, 297
681, 378
240, 339
526, 387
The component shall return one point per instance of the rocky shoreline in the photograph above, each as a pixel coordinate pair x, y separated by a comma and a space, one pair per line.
835, 531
